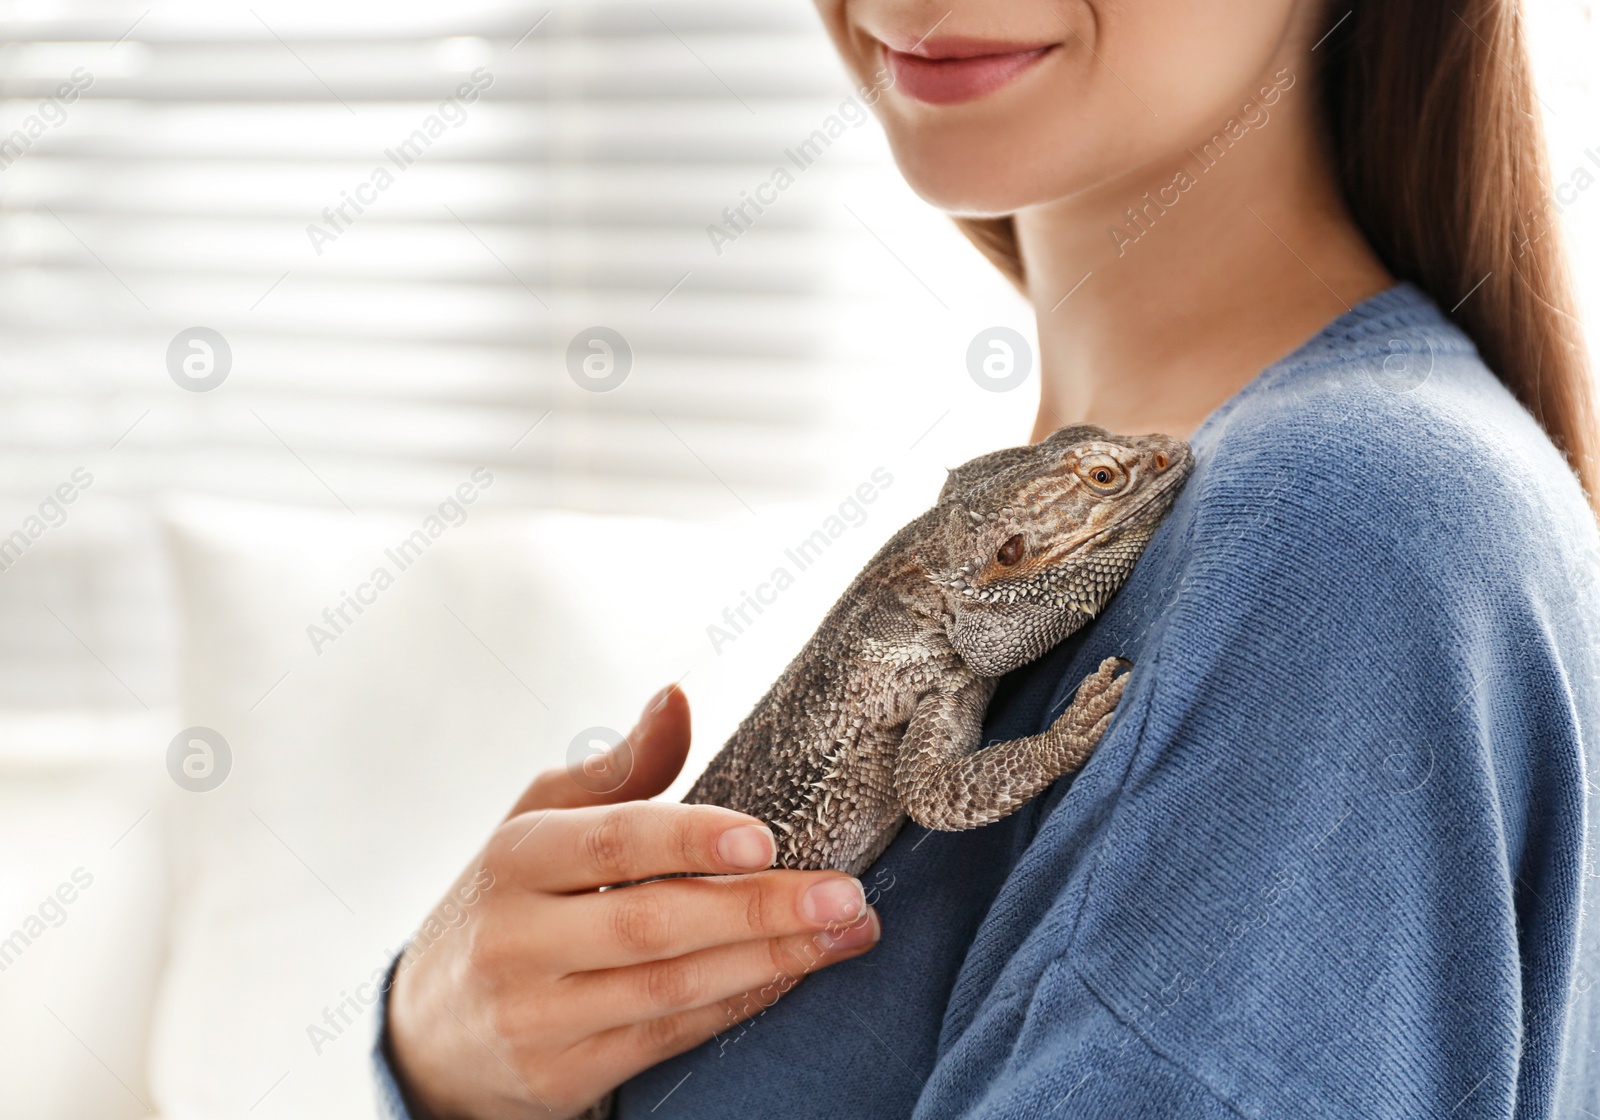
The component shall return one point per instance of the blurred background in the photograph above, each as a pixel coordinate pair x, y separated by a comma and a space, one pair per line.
392, 397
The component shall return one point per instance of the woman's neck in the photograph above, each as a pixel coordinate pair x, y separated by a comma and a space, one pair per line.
1234, 255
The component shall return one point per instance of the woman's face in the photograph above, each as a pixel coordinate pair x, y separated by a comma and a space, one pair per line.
1000, 105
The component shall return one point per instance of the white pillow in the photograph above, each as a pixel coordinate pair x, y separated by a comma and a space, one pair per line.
371, 756
83, 891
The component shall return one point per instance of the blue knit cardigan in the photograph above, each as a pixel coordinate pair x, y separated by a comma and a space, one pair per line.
1333, 857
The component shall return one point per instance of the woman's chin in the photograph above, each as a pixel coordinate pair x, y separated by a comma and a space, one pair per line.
968, 188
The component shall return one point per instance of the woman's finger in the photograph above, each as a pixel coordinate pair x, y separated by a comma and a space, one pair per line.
648, 759
667, 919
751, 971
582, 849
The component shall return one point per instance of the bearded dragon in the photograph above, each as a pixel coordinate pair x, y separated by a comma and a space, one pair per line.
879, 717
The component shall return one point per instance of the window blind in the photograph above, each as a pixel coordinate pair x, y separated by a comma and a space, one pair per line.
338, 254
529, 173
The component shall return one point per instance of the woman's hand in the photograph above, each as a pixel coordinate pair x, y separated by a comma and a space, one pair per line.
550, 992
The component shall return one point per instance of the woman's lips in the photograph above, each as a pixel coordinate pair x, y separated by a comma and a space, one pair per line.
950, 71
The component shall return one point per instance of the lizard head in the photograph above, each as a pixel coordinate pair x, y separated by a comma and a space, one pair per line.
1036, 539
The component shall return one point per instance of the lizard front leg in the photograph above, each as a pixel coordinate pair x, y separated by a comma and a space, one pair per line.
944, 784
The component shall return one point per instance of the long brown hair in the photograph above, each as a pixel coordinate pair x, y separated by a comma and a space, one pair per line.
1435, 135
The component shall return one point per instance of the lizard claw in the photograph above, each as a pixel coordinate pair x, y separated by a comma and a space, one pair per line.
1097, 697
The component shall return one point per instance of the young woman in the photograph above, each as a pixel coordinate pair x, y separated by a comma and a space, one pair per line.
1330, 859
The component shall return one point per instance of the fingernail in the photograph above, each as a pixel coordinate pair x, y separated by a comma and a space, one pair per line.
833, 900
653, 705
864, 931
749, 847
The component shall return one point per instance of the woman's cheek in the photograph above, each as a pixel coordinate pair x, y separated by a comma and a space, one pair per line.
1126, 86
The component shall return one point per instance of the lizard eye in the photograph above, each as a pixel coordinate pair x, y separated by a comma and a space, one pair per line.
1011, 552
1102, 472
